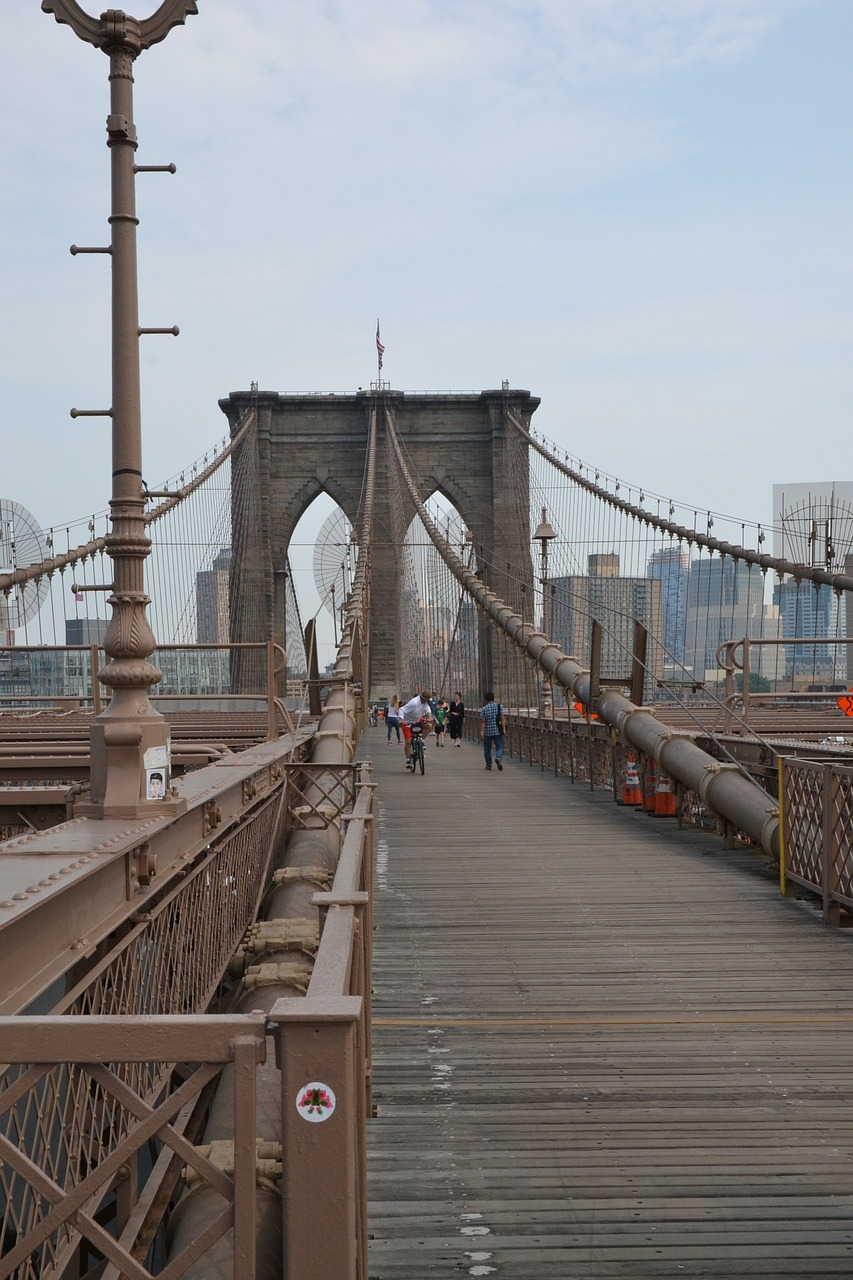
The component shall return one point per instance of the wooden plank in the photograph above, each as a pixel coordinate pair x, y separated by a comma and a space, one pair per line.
602, 1047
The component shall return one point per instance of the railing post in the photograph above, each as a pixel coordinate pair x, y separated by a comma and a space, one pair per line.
95, 651
780, 773
245, 1125
594, 665
729, 669
828, 870
365, 916
314, 707
274, 670
321, 1109
638, 663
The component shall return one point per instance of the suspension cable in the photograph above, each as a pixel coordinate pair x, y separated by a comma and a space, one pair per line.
73, 555
839, 581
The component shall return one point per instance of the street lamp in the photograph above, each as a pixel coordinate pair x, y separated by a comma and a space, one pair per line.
130, 741
543, 535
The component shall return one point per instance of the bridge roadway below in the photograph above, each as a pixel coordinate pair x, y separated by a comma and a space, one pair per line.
602, 1047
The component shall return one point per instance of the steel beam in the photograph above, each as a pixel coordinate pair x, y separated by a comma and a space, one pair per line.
66, 889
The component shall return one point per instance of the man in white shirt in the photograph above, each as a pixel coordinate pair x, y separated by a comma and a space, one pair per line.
415, 711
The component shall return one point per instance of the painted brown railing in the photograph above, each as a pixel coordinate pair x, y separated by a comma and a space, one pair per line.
816, 806
325, 1038
66, 676
81, 1064
101, 1115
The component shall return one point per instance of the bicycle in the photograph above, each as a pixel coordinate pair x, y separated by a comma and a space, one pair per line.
418, 748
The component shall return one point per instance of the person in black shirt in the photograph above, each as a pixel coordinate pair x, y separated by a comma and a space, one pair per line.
455, 718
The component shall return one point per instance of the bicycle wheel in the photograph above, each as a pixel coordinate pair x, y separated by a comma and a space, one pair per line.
422, 757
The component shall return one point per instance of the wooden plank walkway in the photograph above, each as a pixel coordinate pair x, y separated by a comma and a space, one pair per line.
602, 1047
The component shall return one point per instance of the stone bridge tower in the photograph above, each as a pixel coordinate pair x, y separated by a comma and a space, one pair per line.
459, 444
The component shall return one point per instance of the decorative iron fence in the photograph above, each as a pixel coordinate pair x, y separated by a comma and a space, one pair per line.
77, 1140
101, 1106
816, 807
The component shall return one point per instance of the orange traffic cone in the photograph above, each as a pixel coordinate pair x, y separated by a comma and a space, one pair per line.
631, 793
650, 791
664, 798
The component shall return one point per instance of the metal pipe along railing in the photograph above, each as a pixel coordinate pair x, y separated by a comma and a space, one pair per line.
723, 787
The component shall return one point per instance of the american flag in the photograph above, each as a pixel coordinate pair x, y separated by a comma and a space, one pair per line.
380, 350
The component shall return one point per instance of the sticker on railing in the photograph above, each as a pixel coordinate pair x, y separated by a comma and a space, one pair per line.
315, 1102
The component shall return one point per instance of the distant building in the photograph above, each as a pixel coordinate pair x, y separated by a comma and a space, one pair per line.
85, 630
806, 610
615, 602
603, 564
725, 601
670, 565
192, 672
211, 598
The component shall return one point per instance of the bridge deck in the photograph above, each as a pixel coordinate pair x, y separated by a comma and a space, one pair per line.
602, 1047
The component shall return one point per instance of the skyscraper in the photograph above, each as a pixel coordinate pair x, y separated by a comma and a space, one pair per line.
725, 601
806, 610
669, 565
616, 603
211, 598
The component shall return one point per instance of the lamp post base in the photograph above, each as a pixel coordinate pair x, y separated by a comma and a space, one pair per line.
131, 762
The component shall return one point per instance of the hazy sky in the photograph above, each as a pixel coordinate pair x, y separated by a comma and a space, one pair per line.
640, 210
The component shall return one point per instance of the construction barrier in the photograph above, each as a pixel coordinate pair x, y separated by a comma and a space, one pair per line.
650, 788
631, 791
664, 797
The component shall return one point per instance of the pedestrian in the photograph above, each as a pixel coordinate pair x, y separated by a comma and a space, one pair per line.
392, 717
440, 717
492, 730
455, 717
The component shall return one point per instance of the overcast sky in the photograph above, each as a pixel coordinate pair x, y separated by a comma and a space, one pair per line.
639, 210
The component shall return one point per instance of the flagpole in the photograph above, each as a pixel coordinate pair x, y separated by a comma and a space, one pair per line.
380, 351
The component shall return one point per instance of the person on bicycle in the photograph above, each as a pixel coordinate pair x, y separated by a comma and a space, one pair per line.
414, 712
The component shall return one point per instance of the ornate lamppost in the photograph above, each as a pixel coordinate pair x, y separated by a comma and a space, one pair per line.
130, 743
543, 535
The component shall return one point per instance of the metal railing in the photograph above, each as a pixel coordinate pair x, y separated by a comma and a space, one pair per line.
816, 807
746, 698
77, 1140
100, 1112
68, 681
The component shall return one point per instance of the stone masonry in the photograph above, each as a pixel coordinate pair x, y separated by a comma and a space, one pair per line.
458, 444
